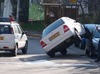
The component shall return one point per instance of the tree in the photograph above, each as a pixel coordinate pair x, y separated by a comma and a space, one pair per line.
93, 9
14, 7
24, 9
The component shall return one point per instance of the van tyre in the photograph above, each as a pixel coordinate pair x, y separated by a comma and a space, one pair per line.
24, 50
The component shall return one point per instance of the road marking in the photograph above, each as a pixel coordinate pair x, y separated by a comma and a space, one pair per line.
49, 63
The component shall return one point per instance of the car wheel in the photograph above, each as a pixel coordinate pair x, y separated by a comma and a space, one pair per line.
51, 54
24, 50
14, 52
63, 52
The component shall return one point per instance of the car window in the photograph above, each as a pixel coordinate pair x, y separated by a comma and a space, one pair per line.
96, 34
5, 29
19, 29
91, 28
16, 29
52, 26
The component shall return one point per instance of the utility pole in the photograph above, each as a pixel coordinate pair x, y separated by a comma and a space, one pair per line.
18, 8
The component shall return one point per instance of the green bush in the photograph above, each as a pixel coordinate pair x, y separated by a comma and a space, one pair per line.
36, 12
33, 26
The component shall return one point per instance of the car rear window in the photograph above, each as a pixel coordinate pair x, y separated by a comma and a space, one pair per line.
52, 26
5, 29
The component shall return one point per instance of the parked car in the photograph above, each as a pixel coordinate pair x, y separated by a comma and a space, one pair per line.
91, 28
60, 35
12, 38
92, 50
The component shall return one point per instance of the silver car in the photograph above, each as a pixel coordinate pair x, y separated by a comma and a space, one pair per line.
92, 50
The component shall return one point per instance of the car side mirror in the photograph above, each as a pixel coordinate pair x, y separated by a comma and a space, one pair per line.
24, 32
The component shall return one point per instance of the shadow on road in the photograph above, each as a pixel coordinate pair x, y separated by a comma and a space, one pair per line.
8, 54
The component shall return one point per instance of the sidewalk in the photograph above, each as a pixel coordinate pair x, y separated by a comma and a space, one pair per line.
34, 34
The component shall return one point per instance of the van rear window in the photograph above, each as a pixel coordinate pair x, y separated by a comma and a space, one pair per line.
5, 29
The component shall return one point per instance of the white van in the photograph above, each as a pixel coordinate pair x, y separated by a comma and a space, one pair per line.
12, 38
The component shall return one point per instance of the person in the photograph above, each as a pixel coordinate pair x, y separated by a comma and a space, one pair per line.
11, 18
98, 52
89, 37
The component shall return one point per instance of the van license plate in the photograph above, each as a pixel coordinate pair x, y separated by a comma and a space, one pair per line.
54, 36
1, 38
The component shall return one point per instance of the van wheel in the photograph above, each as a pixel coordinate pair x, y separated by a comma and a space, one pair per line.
14, 52
24, 50
51, 54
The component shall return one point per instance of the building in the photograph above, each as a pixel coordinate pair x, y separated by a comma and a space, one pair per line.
55, 9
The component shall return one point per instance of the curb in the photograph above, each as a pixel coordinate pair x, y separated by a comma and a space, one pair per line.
34, 36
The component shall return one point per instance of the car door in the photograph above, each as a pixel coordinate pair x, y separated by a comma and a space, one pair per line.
23, 37
19, 36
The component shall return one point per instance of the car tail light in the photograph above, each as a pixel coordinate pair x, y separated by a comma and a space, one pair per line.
43, 44
12, 31
65, 27
5, 47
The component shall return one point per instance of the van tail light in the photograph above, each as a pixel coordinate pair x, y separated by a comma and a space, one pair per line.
43, 44
12, 31
65, 27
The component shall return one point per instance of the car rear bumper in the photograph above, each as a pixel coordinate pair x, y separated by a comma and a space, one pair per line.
6, 46
58, 42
